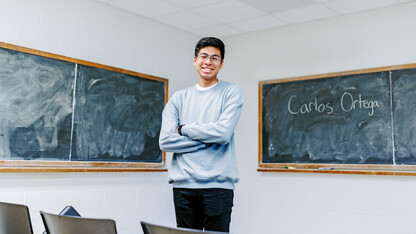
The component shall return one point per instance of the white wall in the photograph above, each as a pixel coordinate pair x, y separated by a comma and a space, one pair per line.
92, 31
265, 202
319, 203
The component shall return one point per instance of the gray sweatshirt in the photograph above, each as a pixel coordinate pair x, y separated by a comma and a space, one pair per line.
204, 156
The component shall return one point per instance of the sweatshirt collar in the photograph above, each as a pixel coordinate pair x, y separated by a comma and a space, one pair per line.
198, 87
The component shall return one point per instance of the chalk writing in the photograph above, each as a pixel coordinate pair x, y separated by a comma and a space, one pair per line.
308, 107
347, 103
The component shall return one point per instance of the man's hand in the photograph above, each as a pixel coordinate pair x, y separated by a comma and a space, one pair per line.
178, 129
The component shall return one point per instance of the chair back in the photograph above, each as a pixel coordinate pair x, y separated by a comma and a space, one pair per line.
57, 224
149, 228
14, 219
67, 211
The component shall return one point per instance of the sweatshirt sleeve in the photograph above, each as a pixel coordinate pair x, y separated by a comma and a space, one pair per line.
222, 130
169, 140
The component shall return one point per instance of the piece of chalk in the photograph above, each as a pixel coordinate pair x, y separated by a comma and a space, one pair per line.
326, 168
290, 168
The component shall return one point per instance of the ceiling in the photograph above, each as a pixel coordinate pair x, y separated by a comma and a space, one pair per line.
223, 18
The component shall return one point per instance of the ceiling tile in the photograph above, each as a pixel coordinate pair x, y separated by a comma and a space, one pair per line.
321, 1
188, 4
350, 6
304, 14
216, 31
228, 11
270, 6
186, 20
230, 17
145, 7
105, 1
258, 23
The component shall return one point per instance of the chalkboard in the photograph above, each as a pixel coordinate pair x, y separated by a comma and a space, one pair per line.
349, 122
59, 113
35, 106
117, 116
404, 114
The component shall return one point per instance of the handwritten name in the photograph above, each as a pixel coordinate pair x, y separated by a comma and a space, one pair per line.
309, 107
348, 103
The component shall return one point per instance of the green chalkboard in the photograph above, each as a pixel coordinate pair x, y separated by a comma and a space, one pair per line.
58, 113
358, 121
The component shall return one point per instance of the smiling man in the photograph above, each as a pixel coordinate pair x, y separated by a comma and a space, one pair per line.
198, 127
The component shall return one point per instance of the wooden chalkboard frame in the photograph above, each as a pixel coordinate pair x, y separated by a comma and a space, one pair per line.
369, 169
82, 166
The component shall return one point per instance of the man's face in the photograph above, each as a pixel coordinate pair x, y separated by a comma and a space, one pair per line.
208, 63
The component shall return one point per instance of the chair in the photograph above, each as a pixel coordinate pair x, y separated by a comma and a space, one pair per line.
57, 224
14, 219
149, 228
68, 211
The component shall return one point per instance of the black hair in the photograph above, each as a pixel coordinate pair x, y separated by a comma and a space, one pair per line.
210, 41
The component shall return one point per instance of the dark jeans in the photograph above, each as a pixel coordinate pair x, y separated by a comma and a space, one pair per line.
204, 209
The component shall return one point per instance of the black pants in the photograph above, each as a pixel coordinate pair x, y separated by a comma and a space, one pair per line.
204, 209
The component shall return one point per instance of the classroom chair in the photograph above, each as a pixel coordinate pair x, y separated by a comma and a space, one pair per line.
57, 224
68, 211
14, 219
149, 228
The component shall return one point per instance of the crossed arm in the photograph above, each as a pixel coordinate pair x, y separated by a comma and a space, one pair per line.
197, 135
169, 139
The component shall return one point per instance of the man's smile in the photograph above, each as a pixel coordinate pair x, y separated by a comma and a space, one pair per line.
207, 69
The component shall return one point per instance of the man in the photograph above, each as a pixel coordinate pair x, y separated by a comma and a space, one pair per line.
198, 127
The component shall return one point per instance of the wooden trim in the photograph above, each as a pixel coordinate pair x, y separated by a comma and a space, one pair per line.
80, 164
335, 74
79, 61
341, 171
338, 166
166, 101
260, 124
87, 166
368, 169
71, 169
76, 166
362, 169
